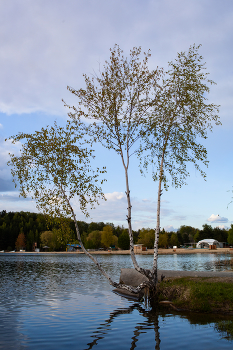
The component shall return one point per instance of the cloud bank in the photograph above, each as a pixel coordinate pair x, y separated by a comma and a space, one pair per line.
47, 45
216, 218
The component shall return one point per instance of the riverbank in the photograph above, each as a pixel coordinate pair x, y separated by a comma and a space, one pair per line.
198, 294
195, 291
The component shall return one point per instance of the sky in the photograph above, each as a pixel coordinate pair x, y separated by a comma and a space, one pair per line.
47, 45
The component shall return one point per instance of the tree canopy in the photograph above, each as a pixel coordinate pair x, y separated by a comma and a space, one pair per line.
182, 116
20, 242
159, 115
54, 167
123, 240
230, 235
185, 117
119, 104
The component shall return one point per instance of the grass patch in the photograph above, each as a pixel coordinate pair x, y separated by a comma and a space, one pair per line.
198, 294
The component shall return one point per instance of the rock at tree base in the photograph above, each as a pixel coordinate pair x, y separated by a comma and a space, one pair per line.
133, 278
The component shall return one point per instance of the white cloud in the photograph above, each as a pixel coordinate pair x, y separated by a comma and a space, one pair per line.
1, 126
6, 147
10, 201
9, 196
114, 196
170, 228
47, 45
223, 227
217, 218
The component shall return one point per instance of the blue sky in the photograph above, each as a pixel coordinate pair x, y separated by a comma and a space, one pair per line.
47, 45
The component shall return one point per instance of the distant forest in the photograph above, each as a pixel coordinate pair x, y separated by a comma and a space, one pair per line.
24, 229
33, 225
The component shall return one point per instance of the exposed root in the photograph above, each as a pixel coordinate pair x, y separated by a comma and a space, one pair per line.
169, 303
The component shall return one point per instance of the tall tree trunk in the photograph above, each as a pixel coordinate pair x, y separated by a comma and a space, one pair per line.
157, 231
111, 282
145, 272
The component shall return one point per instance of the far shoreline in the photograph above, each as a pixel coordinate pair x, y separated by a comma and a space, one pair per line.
147, 252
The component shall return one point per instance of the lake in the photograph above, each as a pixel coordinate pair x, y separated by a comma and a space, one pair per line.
60, 301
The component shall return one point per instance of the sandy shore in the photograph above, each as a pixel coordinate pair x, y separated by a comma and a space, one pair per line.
170, 251
148, 252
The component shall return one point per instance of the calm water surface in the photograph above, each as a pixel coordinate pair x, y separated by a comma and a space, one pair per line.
61, 302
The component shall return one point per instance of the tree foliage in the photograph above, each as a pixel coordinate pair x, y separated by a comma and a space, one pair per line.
20, 242
119, 104
119, 101
163, 240
13, 223
188, 233
49, 239
123, 240
94, 240
108, 239
147, 237
186, 118
95, 226
174, 240
167, 112
54, 167
230, 235
183, 116
62, 231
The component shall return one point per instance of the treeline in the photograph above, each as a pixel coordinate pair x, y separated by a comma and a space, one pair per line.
45, 231
185, 236
21, 230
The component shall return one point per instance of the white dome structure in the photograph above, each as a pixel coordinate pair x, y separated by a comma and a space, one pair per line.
205, 243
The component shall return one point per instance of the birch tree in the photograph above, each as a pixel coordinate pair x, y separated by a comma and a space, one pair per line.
134, 110
118, 102
186, 117
54, 168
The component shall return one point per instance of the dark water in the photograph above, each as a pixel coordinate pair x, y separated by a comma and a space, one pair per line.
61, 302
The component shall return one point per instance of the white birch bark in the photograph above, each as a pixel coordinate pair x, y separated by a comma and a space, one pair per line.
157, 231
111, 282
145, 272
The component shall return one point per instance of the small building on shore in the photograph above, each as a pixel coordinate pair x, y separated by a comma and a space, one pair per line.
73, 247
138, 248
208, 243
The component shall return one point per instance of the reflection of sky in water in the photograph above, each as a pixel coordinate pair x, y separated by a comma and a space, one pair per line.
61, 302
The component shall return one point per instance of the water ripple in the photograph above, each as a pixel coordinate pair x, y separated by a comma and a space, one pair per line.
61, 302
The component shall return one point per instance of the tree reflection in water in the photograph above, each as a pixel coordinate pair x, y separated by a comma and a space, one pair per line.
223, 324
152, 321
